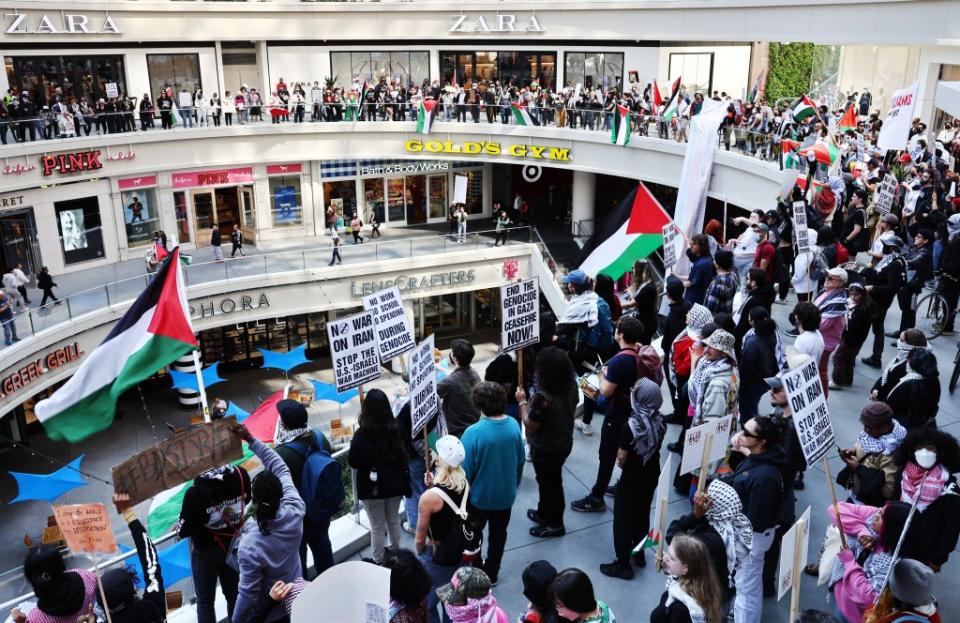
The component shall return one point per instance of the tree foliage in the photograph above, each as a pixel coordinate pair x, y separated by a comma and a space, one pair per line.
790, 68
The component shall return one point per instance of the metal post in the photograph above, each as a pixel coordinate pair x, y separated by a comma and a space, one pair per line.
265, 271
33, 331
69, 311
724, 218
303, 260
106, 289
411, 247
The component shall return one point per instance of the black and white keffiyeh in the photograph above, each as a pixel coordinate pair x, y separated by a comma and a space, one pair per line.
725, 515
885, 444
645, 421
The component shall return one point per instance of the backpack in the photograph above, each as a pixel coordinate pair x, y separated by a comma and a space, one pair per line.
843, 256
462, 544
321, 486
818, 268
601, 334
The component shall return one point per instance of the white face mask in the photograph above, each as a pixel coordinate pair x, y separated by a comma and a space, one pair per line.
756, 236
925, 458
903, 350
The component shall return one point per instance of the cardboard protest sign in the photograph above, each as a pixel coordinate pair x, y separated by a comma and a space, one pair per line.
351, 591
695, 443
353, 350
795, 541
112, 90
800, 226
424, 402
662, 494
896, 126
179, 459
394, 335
886, 194
670, 254
810, 414
86, 528
459, 188
520, 314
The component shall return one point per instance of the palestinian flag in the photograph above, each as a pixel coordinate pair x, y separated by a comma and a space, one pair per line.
153, 333
632, 232
650, 541
425, 117
671, 110
804, 108
788, 152
848, 121
657, 99
521, 116
160, 252
621, 126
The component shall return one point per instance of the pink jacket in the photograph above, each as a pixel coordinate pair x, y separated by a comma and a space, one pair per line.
854, 518
854, 593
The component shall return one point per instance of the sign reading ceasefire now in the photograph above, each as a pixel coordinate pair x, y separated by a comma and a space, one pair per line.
520, 150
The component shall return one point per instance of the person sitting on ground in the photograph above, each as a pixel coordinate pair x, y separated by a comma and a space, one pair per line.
575, 601
468, 599
908, 596
537, 579
692, 585
870, 473
915, 398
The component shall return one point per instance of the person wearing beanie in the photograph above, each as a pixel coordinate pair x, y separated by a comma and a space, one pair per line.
908, 596
537, 579
295, 442
870, 472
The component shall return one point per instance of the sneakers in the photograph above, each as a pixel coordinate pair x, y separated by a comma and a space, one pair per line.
611, 490
833, 386
674, 447
405, 526
873, 362
529, 457
586, 429
588, 505
617, 569
546, 532
533, 516
780, 301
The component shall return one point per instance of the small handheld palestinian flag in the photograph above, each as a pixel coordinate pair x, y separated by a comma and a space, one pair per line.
671, 110
650, 541
521, 116
621, 126
425, 117
657, 99
804, 109
848, 121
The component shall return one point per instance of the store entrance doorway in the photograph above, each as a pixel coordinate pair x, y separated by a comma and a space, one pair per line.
223, 208
18, 231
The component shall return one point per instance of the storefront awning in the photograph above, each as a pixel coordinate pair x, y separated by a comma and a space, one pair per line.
948, 98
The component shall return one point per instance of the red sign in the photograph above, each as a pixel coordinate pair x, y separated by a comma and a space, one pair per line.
284, 169
71, 163
137, 182
190, 179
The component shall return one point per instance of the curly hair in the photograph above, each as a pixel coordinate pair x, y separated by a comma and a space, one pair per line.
948, 450
409, 582
555, 371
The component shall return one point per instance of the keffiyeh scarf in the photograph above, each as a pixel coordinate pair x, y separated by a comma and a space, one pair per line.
483, 610
675, 592
645, 421
725, 515
885, 444
283, 435
929, 482
876, 566
832, 303
700, 378
581, 308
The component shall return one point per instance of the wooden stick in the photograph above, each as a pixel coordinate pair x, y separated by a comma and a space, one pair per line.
103, 596
360, 394
662, 527
836, 507
703, 477
798, 563
520, 368
426, 450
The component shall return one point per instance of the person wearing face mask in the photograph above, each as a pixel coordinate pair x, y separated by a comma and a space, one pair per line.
692, 585
916, 396
927, 458
896, 368
890, 274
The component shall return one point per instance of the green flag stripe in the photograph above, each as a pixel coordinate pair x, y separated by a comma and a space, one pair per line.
641, 247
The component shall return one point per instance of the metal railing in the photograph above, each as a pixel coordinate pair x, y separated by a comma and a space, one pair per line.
122, 292
583, 228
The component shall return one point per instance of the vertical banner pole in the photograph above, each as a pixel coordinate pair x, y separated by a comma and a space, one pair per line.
201, 388
798, 563
833, 497
663, 529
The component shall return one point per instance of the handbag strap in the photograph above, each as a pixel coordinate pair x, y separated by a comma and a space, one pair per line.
460, 511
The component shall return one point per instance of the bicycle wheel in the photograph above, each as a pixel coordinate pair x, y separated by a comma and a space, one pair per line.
931, 315
956, 370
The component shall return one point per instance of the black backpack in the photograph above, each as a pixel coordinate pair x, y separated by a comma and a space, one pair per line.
462, 544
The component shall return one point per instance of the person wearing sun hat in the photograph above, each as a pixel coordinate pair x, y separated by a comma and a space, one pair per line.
679, 367
714, 385
467, 598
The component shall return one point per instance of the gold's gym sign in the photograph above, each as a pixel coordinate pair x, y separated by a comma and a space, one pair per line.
519, 150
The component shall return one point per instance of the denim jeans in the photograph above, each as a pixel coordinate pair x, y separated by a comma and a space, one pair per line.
9, 328
440, 576
462, 231
417, 487
186, 115
748, 604
208, 565
316, 536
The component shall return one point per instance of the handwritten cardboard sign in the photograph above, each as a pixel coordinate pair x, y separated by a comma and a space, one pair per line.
695, 442
86, 528
174, 461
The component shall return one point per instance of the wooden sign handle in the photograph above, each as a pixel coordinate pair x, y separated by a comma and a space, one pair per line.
833, 497
426, 450
704, 477
662, 527
798, 563
520, 368
103, 596
360, 394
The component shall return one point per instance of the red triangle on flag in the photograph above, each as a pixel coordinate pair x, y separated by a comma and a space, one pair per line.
429, 105
170, 318
676, 86
160, 252
657, 100
647, 216
849, 119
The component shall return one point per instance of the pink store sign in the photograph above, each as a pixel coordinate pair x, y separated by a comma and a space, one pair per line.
190, 179
137, 182
284, 169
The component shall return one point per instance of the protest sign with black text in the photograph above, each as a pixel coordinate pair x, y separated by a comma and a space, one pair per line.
424, 402
394, 335
353, 350
809, 406
520, 314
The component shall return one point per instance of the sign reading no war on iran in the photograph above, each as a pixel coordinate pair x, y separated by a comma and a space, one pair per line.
353, 349
520, 314
810, 414
394, 336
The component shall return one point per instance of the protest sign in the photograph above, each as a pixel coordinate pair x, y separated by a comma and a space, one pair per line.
86, 528
896, 126
809, 405
353, 350
519, 314
112, 90
394, 335
695, 450
351, 591
886, 194
459, 188
184, 99
793, 556
659, 523
670, 235
423, 386
800, 226
179, 459
861, 149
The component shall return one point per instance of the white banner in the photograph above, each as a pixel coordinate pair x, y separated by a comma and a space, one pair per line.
788, 551
886, 194
695, 442
810, 414
896, 126
353, 350
800, 226
520, 314
394, 335
423, 385
459, 188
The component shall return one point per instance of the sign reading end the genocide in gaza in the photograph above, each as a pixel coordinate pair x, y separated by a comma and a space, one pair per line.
423, 386
394, 336
520, 314
177, 460
809, 406
353, 349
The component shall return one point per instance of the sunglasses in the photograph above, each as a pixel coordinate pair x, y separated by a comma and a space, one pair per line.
747, 433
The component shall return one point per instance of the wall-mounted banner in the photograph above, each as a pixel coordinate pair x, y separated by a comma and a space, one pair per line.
520, 314
423, 386
394, 335
517, 150
353, 349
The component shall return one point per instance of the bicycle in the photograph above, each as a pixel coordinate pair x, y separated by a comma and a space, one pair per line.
932, 310
955, 375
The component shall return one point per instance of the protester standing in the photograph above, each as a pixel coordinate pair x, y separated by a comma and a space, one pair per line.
832, 303
724, 286
701, 269
644, 299
456, 390
861, 311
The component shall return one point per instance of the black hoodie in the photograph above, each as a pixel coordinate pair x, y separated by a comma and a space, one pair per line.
759, 483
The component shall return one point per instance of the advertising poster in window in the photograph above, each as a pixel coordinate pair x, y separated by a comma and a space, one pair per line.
78, 223
139, 215
285, 209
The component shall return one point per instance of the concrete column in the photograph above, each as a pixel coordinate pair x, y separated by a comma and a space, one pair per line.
487, 189
584, 197
218, 57
263, 64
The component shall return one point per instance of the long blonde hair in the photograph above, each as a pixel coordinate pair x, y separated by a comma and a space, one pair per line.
700, 581
643, 273
449, 476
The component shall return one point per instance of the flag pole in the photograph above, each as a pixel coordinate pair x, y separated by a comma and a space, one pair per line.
197, 367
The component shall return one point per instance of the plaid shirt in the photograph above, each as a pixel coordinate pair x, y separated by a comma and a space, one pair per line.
720, 293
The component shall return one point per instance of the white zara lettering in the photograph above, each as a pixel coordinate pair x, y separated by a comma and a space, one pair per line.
504, 22
19, 24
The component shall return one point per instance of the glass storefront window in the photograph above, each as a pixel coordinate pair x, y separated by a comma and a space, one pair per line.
396, 210
474, 190
180, 212
373, 199
247, 206
179, 71
285, 200
78, 223
438, 196
141, 215
404, 68
517, 68
696, 69
416, 194
83, 78
341, 195
593, 69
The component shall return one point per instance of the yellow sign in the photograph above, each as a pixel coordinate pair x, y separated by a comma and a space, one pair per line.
519, 150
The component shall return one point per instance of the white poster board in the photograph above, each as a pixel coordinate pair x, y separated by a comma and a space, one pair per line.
695, 442
896, 126
670, 251
809, 406
351, 591
353, 350
886, 194
861, 148
788, 548
394, 335
112, 90
185, 100
424, 402
520, 314
459, 188
800, 226
663, 492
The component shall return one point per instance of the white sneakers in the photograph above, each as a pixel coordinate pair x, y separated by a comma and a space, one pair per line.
586, 429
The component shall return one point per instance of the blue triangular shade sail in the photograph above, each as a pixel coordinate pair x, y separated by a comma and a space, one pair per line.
174, 564
188, 380
237, 412
328, 391
48, 487
285, 361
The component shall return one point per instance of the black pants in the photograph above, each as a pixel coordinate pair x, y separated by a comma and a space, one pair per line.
462, 112
165, 120
609, 444
786, 264
23, 292
208, 566
772, 558
908, 315
877, 326
357, 238
632, 503
549, 472
951, 292
496, 536
335, 257
47, 293
237, 247
228, 118
316, 536
500, 236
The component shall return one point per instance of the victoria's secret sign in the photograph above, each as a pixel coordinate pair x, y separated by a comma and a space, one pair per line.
71, 163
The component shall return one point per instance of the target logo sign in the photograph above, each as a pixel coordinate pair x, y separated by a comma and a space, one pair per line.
531, 172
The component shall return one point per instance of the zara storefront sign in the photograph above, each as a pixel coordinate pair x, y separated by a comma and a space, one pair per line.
519, 150
67, 24
502, 22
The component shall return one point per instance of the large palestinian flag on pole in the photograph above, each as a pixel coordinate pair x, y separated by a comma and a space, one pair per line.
153, 333
521, 116
804, 108
620, 134
848, 121
425, 116
632, 232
